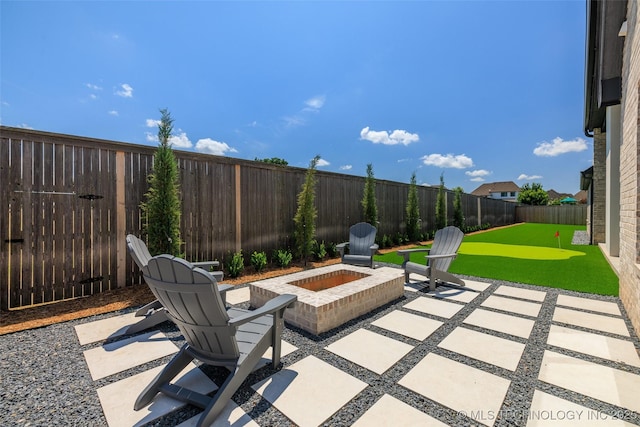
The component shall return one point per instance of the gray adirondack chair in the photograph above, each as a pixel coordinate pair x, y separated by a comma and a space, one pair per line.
361, 245
235, 338
154, 313
444, 249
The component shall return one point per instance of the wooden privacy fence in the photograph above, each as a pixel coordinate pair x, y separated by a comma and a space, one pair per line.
68, 202
559, 214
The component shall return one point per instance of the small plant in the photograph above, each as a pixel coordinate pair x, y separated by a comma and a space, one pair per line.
236, 265
283, 257
386, 241
319, 250
258, 260
332, 250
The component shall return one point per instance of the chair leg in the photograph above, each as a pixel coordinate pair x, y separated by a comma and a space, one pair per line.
173, 368
152, 306
153, 319
232, 383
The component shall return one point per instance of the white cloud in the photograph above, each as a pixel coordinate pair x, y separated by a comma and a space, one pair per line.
346, 167
448, 161
322, 162
315, 103
93, 96
292, 121
526, 177
92, 86
480, 173
180, 140
559, 146
152, 123
477, 179
112, 113
396, 137
209, 146
126, 91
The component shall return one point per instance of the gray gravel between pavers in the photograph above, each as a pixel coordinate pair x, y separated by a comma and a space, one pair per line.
44, 380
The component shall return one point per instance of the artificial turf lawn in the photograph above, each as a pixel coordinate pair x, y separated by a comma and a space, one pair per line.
529, 253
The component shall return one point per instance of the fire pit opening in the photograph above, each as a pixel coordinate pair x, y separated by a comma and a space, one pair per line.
328, 280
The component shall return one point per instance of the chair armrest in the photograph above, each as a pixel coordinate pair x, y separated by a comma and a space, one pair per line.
224, 288
341, 246
278, 303
406, 253
204, 264
441, 256
373, 249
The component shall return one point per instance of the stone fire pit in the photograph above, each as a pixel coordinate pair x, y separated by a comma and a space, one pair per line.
331, 296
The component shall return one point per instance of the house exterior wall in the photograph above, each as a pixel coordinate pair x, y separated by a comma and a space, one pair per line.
630, 170
599, 183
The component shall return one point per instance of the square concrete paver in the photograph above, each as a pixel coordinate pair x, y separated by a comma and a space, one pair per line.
513, 305
309, 391
601, 382
455, 294
475, 285
391, 412
457, 386
505, 323
434, 306
407, 324
551, 411
121, 355
484, 347
589, 304
614, 349
117, 399
512, 291
100, 330
238, 296
598, 322
370, 350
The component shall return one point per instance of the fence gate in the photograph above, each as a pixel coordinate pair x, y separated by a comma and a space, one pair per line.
56, 216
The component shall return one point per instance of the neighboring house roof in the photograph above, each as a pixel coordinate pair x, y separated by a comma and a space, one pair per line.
581, 196
553, 195
486, 189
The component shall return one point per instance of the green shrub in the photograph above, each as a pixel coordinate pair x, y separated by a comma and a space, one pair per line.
386, 241
258, 260
319, 250
283, 257
236, 265
332, 251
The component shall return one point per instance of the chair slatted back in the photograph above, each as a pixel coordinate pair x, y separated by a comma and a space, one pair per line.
446, 241
361, 236
138, 250
191, 296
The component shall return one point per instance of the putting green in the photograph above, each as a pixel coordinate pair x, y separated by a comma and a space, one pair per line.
517, 251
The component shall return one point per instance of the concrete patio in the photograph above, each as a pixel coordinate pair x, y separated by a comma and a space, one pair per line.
493, 354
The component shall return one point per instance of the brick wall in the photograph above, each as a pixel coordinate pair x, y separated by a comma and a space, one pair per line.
599, 186
630, 171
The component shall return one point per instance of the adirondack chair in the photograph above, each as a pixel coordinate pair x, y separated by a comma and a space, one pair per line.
361, 245
154, 312
444, 250
236, 338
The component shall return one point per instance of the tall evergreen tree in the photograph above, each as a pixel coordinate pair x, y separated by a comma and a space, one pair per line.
162, 207
305, 217
441, 206
413, 211
458, 215
369, 198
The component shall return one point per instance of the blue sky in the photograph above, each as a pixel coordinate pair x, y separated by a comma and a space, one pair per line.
479, 91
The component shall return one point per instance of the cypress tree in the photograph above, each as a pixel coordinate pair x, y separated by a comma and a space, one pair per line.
162, 207
305, 217
369, 198
441, 206
413, 211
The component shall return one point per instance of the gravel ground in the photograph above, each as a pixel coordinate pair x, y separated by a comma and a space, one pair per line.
44, 379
